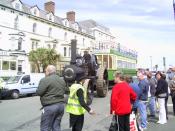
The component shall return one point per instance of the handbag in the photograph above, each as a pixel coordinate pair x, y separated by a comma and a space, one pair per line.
114, 124
133, 122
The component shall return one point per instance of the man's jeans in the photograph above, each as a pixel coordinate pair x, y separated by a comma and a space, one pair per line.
51, 117
152, 106
143, 113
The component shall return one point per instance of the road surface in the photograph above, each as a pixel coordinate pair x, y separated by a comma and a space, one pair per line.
24, 115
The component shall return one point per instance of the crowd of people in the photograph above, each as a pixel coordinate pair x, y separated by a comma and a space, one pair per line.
127, 96
150, 93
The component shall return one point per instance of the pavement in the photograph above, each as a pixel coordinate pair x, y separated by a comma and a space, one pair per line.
24, 115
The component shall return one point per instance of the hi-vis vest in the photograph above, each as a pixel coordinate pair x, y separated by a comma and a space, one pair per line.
73, 106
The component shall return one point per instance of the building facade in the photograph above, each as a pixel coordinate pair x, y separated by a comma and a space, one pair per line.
24, 28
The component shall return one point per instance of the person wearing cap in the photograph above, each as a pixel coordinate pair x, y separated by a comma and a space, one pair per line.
77, 105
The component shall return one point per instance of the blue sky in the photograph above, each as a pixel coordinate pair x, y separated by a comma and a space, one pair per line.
145, 25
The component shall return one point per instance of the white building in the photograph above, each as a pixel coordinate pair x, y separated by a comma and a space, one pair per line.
24, 28
104, 39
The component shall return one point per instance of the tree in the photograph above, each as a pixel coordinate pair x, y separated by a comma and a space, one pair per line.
42, 57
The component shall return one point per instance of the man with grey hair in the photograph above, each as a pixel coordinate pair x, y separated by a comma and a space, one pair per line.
143, 99
51, 91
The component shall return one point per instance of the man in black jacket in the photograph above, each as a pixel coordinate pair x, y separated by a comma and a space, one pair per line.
151, 94
161, 93
51, 91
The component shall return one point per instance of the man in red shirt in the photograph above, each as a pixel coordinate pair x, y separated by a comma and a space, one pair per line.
121, 98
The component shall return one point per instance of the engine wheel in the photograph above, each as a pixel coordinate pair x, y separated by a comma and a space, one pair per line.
15, 94
102, 83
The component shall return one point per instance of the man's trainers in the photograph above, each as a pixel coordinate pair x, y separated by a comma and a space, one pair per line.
162, 123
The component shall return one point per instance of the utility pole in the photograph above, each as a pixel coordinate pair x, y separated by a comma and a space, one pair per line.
164, 64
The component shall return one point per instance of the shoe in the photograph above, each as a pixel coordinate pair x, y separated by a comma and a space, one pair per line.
142, 129
162, 123
153, 116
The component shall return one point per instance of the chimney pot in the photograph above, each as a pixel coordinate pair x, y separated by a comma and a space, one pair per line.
50, 6
71, 16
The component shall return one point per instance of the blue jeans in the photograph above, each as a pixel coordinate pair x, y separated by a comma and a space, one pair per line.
143, 113
152, 106
51, 117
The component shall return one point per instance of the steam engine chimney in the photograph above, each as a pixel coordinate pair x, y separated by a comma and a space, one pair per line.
49, 6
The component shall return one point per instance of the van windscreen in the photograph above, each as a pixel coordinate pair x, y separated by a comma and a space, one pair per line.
13, 79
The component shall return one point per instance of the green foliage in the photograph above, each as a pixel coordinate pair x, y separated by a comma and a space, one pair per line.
42, 57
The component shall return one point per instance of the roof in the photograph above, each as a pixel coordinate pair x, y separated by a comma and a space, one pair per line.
43, 14
93, 24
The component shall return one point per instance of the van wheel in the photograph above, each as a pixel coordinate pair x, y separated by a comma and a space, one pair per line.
15, 94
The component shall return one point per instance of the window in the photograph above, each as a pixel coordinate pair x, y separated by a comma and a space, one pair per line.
50, 17
12, 65
65, 23
54, 46
34, 28
20, 43
2, 8
20, 65
34, 45
83, 42
65, 51
49, 46
65, 36
17, 6
5, 65
69, 51
35, 12
50, 32
16, 22
25, 79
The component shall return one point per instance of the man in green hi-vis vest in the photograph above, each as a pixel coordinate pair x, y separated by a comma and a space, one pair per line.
77, 105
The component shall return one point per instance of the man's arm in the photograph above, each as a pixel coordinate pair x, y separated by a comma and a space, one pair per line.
80, 95
133, 95
43, 85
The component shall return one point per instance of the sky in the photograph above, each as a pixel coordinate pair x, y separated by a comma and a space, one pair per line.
147, 26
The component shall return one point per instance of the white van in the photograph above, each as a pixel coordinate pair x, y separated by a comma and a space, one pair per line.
25, 84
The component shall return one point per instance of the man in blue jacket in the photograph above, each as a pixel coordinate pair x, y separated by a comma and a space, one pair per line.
143, 99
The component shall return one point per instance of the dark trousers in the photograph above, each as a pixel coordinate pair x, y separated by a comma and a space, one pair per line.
76, 122
166, 107
51, 117
123, 122
173, 101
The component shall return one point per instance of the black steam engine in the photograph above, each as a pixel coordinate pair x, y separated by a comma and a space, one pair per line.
89, 66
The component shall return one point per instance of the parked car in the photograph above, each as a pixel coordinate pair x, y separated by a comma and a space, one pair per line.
25, 84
